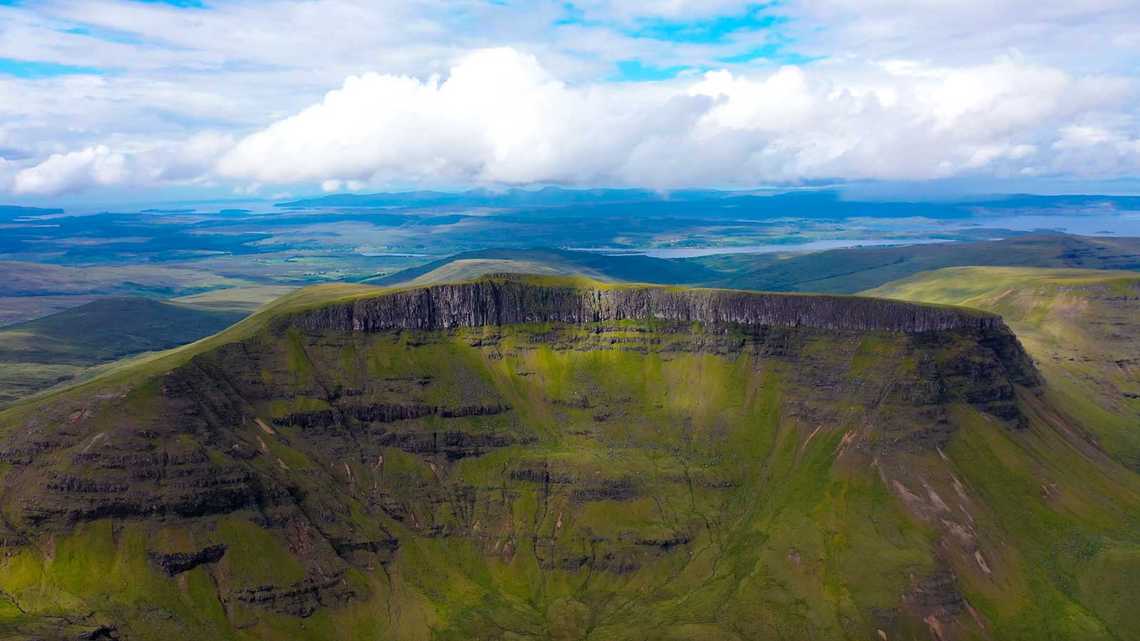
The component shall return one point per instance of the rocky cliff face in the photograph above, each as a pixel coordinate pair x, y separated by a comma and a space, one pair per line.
508, 301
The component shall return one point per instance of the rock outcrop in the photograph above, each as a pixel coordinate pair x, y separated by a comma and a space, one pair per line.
174, 563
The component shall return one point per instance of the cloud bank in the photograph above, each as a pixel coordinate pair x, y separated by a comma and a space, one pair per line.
499, 117
234, 95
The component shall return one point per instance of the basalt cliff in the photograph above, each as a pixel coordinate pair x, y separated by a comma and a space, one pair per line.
515, 458
503, 300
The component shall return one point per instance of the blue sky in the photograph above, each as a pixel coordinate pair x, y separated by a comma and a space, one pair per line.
41, 69
260, 97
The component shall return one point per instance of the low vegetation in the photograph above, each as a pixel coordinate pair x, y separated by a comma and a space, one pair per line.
846, 271
1081, 327
841, 271
66, 345
627, 479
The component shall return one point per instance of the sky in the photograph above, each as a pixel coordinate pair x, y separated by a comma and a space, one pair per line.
273, 98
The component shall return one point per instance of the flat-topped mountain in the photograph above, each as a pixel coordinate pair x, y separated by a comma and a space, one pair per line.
518, 457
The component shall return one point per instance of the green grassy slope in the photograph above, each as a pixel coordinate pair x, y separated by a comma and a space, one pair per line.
853, 270
469, 265
1081, 326
631, 480
235, 299
40, 353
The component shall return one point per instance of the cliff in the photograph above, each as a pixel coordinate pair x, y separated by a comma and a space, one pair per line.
506, 300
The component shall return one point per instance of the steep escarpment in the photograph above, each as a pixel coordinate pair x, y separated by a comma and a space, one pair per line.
514, 459
508, 300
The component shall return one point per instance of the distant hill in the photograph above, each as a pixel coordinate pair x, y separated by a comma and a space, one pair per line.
487, 198
840, 271
8, 212
634, 269
40, 353
852, 270
30, 290
819, 204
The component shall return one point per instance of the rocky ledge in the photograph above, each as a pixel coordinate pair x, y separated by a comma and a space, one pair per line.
507, 300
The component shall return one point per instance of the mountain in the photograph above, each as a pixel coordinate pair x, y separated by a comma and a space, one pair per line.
625, 268
536, 457
1080, 326
852, 270
60, 347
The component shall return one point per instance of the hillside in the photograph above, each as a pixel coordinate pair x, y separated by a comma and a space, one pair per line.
469, 265
31, 290
66, 345
1081, 326
846, 271
841, 271
522, 457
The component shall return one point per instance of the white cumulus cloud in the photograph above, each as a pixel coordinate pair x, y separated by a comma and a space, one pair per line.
470, 92
185, 161
90, 167
499, 117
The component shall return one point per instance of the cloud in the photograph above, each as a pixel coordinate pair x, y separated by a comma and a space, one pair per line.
1060, 30
180, 162
61, 173
500, 117
486, 92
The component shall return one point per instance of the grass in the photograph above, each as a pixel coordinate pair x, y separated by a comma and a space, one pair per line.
1080, 326
67, 345
787, 531
841, 271
31, 279
241, 299
635, 269
846, 271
